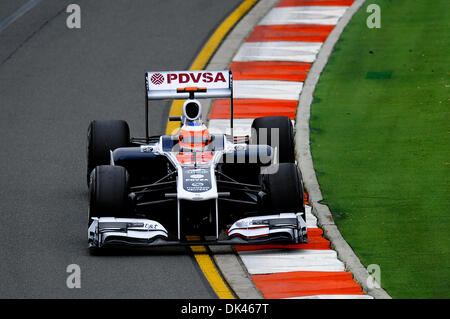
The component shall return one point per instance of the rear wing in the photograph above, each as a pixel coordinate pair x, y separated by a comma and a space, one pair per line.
176, 85
183, 84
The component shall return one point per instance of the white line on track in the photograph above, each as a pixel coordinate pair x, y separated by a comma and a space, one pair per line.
17, 14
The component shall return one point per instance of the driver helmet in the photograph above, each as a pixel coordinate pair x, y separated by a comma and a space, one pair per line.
194, 136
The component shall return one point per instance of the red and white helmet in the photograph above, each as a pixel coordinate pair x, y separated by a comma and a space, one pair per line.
194, 137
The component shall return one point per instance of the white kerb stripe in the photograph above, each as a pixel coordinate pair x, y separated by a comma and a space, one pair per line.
288, 260
265, 89
294, 51
242, 127
325, 15
311, 220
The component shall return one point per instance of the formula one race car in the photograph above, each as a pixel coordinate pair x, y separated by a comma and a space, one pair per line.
193, 187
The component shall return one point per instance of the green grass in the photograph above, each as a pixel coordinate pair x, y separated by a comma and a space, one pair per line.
380, 143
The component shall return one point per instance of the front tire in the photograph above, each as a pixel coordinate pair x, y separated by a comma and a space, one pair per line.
103, 137
108, 192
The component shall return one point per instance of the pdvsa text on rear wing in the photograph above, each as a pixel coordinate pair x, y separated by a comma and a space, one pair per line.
182, 84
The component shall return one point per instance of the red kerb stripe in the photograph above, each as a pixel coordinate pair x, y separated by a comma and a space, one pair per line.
262, 70
306, 283
300, 32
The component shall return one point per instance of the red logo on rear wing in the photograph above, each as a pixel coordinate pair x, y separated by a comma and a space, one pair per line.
157, 78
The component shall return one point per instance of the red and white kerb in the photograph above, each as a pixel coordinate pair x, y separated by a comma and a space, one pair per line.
269, 70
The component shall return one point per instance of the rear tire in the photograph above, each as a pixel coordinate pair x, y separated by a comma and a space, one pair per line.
108, 192
285, 143
284, 190
103, 137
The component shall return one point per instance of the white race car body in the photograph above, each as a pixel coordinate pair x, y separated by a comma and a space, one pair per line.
194, 176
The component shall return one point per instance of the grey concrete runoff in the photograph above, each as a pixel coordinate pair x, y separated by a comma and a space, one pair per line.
304, 158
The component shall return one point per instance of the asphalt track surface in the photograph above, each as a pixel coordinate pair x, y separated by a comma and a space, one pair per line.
53, 82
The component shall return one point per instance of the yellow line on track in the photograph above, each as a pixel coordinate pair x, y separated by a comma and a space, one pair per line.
210, 271
201, 254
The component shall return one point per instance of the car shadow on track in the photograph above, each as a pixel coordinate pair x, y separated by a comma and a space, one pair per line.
160, 251
153, 251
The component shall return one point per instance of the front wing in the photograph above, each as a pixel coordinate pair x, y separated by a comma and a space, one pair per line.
286, 228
